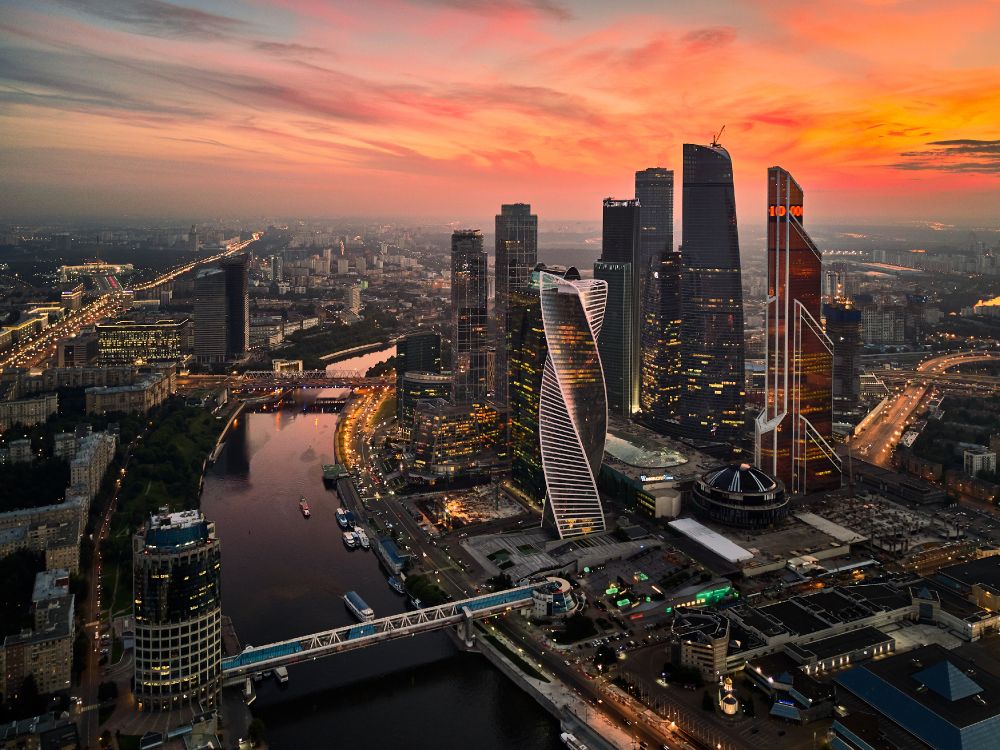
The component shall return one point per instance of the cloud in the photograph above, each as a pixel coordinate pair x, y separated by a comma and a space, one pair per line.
160, 18
709, 38
549, 8
963, 155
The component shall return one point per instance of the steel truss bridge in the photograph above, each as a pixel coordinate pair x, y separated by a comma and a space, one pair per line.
350, 637
306, 378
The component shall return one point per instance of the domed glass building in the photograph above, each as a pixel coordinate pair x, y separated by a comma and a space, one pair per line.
740, 495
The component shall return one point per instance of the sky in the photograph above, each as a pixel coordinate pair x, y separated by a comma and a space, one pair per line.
883, 110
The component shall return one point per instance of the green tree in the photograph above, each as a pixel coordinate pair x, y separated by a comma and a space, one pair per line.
255, 732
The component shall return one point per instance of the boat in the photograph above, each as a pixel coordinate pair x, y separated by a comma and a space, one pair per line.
282, 674
396, 585
358, 607
572, 742
362, 538
416, 603
350, 520
249, 696
351, 540
304, 507
342, 519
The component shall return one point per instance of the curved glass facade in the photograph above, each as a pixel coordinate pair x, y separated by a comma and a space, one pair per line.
573, 410
794, 430
714, 395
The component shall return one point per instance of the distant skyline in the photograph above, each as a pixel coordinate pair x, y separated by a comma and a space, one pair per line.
886, 109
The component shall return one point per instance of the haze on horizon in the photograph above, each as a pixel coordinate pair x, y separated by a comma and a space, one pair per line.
883, 110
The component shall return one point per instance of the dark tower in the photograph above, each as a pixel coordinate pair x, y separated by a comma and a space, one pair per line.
660, 379
619, 339
516, 248
714, 394
468, 315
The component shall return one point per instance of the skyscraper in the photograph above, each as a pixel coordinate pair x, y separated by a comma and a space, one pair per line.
222, 311
619, 341
573, 415
416, 352
526, 363
660, 380
176, 566
468, 315
654, 191
843, 327
713, 396
794, 430
516, 248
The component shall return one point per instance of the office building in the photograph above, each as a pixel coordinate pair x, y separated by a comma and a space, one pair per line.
661, 376
573, 412
148, 391
77, 351
619, 268
72, 299
415, 387
516, 248
793, 433
418, 352
979, 459
132, 342
843, 328
222, 312
453, 441
526, 363
713, 396
176, 568
468, 315
654, 191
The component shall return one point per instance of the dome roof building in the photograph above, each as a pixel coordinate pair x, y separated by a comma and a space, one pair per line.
740, 495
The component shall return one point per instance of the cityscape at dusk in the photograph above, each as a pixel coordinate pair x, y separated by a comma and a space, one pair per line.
535, 374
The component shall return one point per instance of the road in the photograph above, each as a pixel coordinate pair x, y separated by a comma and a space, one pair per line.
37, 350
877, 441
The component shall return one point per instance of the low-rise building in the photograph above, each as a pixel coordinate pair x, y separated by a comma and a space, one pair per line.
131, 342
141, 396
45, 732
45, 651
93, 456
28, 411
77, 351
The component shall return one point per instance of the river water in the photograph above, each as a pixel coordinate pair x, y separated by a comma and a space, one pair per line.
284, 576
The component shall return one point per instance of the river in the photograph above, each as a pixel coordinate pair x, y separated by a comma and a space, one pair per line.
363, 361
284, 575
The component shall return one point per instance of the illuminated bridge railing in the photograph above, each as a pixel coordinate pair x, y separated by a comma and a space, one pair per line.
351, 637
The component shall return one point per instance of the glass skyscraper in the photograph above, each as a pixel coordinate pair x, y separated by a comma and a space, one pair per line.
794, 431
654, 191
516, 248
660, 378
619, 266
573, 414
416, 352
468, 315
714, 394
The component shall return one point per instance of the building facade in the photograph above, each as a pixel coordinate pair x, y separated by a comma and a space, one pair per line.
620, 267
793, 433
740, 496
712, 356
660, 342
417, 352
222, 312
843, 328
419, 386
573, 411
516, 248
130, 342
178, 612
468, 315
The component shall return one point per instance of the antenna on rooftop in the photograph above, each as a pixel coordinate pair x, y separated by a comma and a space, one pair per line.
717, 136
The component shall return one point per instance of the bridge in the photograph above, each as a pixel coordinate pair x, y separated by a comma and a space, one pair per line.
306, 378
350, 637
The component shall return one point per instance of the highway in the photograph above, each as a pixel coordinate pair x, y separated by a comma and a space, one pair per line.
37, 350
877, 440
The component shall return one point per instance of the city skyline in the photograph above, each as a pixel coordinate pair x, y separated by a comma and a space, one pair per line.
318, 109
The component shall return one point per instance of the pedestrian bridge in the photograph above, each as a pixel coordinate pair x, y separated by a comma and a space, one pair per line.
350, 637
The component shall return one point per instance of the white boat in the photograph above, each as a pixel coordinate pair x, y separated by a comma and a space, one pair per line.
572, 742
358, 607
351, 540
282, 674
362, 538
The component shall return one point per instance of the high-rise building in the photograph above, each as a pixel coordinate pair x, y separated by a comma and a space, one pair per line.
516, 248
222, 311
843, 328
527, 360
418, 352
619, 266
794, 431
573, 413
654, 191
660, 379
193, 243
468, 315
714, 393
176, 566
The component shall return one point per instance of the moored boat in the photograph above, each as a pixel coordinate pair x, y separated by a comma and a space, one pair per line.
362, 538
342, 519
304, 507
351, 540
357, 607
396, 585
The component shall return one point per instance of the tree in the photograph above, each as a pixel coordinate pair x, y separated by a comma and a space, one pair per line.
255, 732
605, 657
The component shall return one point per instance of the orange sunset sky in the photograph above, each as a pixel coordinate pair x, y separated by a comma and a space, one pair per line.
883, 110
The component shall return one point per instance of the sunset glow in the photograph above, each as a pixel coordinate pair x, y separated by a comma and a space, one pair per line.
446, 108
